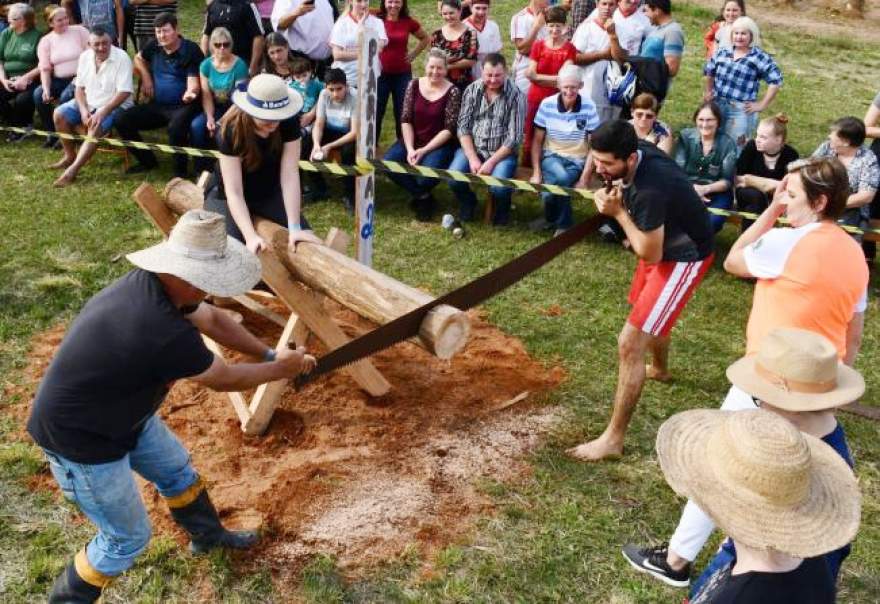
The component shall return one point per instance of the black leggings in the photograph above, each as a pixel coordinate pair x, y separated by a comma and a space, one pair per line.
270, 209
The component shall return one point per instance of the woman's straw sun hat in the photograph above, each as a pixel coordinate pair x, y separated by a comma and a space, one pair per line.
269, 98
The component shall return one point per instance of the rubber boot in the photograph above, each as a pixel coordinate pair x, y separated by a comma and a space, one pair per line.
71, 588
200, 519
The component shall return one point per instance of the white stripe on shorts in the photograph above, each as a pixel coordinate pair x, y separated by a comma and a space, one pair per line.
679, 282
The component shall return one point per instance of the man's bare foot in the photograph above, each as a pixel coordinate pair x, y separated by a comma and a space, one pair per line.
65, 179
62, 163
596, 450
652, 373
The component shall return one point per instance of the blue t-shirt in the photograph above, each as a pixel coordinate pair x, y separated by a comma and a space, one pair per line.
664, 41
309, 92
170, 71
222, 83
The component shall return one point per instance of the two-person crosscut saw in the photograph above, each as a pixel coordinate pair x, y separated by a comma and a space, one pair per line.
465, 297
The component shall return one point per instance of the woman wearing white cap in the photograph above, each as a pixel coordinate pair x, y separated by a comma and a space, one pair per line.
258, 173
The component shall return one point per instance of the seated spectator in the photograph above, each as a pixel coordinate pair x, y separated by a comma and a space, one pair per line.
490, 130
242, 20
846, 143
219, 75
429, 122
562, 128
644, 110
336, 127
526, 27
58, 53
733, 76
144, 13
107, 14
665, 41
488, 34
547, 57
708, 156
718, 34
19, 69
277, 58
593, 53
396, 59
309, 88
103, 90
169, 71
762, 165
459, 42
872, 130
307, 27
631, 26
344, 38
783, 497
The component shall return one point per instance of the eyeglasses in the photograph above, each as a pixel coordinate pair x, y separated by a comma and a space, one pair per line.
222, 44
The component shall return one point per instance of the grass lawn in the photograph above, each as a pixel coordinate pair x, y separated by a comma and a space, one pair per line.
555, 537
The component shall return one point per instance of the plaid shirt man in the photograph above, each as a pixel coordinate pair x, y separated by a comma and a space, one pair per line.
492, 124
739, 79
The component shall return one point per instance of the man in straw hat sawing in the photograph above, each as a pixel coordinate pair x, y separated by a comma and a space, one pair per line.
94, 413
797, 375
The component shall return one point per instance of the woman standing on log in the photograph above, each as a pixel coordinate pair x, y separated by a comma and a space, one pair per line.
259, 137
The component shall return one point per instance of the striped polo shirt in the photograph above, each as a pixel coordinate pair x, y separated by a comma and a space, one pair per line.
567, 131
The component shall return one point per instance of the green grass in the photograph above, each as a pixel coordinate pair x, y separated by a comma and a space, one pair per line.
554, 537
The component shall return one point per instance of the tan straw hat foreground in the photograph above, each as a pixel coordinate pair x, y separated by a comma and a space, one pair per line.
762, 481
269, 98
199, 251
797, 370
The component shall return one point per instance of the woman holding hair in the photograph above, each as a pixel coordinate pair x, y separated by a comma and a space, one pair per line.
733, 76
19, 68
708, 156
428, 124
644, 111
219, 75
259, 142
344, 37
459, 42
396, 59
718, 34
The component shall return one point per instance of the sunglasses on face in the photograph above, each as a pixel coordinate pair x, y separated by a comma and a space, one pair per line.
222, 44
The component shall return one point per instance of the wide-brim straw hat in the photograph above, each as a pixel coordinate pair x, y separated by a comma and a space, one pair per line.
764, 483
797, 370
199, 251
268, 97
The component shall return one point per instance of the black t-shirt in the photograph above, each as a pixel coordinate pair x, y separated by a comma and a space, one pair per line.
170, 71
113, 370
661, 195
241, 18
264, 183
809, 583
751, 161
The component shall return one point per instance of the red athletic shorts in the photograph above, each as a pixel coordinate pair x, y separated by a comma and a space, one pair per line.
660, 291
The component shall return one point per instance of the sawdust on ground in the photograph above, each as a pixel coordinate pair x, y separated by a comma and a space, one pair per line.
361, 479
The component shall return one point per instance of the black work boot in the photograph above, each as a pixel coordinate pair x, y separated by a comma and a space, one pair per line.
70, 588
200, 520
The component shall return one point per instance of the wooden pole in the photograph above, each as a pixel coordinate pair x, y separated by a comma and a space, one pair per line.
365, 145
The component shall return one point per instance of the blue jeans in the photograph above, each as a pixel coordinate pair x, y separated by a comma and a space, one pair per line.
418, 185
724, 201
559, 170
198, 128
736, 123
108, 494
506, 168
393, 85
61, 89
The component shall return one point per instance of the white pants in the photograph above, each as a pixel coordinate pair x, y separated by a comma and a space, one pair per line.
695, 527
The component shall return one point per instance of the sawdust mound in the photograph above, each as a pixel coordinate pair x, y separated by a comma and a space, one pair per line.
363, 479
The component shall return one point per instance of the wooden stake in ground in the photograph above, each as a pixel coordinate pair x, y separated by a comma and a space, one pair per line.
365, 186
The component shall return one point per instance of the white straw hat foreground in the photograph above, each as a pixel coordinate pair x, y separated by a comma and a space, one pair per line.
762, 481
797, 370
268, 97
199, 251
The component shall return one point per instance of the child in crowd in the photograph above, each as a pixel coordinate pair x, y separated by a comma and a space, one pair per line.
309, 89
335, 127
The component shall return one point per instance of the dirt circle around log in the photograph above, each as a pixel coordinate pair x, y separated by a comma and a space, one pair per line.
363, 480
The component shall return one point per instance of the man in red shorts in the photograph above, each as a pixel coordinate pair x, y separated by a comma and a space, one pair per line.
668, 228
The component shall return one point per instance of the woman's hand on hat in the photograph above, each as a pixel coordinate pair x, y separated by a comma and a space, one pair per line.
256, 244
295, 362
297, 236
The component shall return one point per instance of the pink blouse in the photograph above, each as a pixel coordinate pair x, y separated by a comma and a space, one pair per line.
60, 53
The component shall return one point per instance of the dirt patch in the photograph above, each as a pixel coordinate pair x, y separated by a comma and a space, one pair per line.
362, 479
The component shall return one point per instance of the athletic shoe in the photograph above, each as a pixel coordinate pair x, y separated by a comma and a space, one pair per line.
652, 560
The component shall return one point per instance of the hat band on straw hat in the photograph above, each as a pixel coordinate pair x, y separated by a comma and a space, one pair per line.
790, 385
194, 253
260, 104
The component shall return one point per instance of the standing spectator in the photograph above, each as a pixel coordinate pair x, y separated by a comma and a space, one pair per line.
762, 165
563, 125
396, 59
344, 38
488, 34
648, 127
547, 57
526, 27
872, 130
219, 75
19, 68
580, 10
277, 58
490, 130
103, 90
733, 76
242, 20
631, 25
459, 42
593, 53
306, 26
664, 43
429, 122
846, 143
144, 15
264, 7
336, 128
106, 13
58, 52
708, 157
718, 34
169, 71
